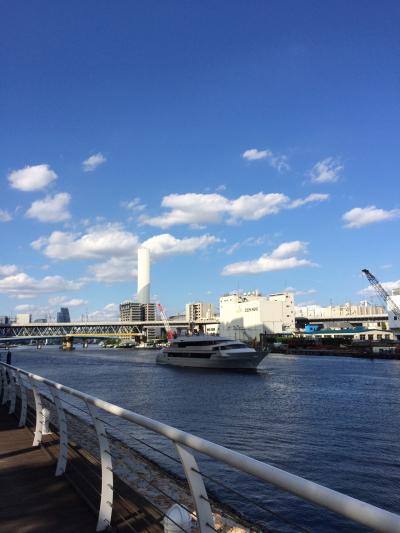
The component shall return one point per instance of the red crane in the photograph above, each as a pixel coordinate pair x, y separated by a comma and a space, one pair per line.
168, 329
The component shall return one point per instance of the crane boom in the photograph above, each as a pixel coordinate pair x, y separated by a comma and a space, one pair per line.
382, 293
168, 329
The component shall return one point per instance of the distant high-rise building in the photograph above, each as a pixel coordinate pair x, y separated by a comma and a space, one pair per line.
135, 311
63, 315
198, 311
130, 312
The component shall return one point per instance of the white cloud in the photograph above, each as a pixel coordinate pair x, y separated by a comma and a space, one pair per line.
287, 249
253, 154
387, 285
65, 302
51, 209
166, 244
124, 268
109, 312
118, 246
134, 205
5, 216
99, 241
115, 269
276, 161
249, 241
32, 178
311, 198
362, 216
199, 209
25, 308
299, 292
92, 162
282, 258
326, 171
7, 270
22, 285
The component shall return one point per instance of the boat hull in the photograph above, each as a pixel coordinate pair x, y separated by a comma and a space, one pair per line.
231, 362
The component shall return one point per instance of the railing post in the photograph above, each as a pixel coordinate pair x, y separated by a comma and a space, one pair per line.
197, 488
38, 407
2, 384
5, 385
107, 490
13, 392
62, 427
24, 402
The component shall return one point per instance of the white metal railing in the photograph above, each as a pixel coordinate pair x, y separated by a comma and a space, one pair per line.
12, 378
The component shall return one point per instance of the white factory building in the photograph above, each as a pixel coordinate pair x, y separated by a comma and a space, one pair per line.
245, 316
394, 320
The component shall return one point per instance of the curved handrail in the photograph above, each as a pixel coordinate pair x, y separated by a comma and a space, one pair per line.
347, 506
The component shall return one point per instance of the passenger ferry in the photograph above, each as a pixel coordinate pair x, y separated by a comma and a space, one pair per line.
208, 351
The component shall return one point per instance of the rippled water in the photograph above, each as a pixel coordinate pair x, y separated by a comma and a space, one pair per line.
333, 420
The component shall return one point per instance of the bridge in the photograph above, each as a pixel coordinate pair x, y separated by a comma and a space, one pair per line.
94, 330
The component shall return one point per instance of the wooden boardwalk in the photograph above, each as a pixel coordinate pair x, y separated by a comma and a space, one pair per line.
32, 499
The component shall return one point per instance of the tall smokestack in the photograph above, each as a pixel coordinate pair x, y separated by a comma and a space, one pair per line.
143, 277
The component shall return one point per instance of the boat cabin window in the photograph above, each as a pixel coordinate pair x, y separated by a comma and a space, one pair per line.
232, 346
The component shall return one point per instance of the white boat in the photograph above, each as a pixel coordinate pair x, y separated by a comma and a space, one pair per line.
208, 351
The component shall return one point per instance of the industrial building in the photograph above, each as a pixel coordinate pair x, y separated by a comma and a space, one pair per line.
199, 311
343, 316
394, 319
246, 316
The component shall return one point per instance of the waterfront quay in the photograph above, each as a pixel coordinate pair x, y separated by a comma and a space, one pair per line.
83, 446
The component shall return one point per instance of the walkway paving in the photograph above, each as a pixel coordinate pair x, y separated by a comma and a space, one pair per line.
32, 499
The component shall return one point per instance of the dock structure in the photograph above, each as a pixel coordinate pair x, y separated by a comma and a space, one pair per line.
67, 473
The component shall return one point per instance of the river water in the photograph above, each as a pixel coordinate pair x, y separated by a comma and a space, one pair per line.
335, 421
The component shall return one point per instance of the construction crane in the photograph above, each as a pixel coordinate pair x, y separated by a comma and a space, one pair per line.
390, 304
168, 329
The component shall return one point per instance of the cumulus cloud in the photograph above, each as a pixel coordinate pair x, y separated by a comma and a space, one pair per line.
124, 268
276, 161
282, 258
115, 269
109, 312
200, 209
389, 286
326, 171
51, 208
362, 216
62, 300
118, 246
32, 178
5, 216
166, 244
92, 162
7, 270
21, 285
97, 242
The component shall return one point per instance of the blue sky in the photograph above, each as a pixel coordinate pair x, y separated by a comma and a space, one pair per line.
247, 144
